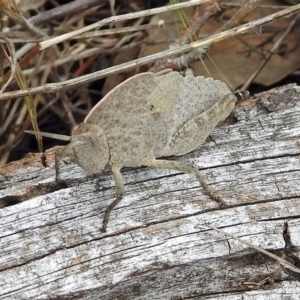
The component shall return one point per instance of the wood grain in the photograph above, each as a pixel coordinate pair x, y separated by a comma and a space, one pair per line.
157, 245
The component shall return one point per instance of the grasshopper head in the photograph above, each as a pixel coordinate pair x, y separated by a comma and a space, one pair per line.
89, 147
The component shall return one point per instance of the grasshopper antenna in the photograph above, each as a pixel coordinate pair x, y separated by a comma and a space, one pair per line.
50, 135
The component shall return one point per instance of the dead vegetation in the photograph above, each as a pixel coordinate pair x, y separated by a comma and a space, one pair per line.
61, 58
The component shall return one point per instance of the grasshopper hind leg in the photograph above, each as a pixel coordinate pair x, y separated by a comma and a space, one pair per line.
187, 168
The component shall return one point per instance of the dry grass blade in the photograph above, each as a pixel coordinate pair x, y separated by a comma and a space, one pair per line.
247, 7
204, 12
144, 13
281, 261
200, 16
11, 9
112, 7
55, 87
17, 72
269, 55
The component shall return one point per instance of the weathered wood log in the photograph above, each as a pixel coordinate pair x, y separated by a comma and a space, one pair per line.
157, 245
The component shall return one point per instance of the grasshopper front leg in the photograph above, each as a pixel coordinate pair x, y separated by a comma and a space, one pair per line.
120, 191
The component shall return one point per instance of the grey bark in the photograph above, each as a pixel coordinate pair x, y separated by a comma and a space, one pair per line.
157, 245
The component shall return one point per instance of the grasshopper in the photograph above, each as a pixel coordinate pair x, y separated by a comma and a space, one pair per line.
145, 118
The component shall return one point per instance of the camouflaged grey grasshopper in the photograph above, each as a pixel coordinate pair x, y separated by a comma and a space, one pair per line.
146, 117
